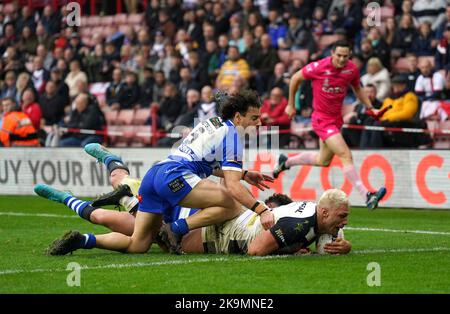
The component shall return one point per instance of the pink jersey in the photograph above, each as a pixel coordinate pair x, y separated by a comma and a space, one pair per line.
330, 86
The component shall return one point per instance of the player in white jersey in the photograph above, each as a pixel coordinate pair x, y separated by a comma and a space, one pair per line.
297, 225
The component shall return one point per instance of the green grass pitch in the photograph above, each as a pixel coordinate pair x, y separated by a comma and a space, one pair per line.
411, 247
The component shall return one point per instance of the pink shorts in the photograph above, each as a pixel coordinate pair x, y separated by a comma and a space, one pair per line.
325, 128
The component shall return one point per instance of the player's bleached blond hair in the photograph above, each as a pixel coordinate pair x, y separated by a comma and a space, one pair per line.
333, 198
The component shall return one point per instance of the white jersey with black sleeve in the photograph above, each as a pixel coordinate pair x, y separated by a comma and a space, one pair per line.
294, 228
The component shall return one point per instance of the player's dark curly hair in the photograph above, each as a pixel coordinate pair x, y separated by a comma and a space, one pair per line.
239, 102
279, 199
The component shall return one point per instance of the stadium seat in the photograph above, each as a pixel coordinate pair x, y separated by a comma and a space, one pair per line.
143, 135
326, 40
94, 21
135, 18
401, 65
120, 19
285, 56
111, 117
125, 117
107, 20
302, 54
125, 136
141, 115
387, 12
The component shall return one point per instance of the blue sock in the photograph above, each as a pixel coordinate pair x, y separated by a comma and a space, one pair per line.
77, 205
89, 241
180, 226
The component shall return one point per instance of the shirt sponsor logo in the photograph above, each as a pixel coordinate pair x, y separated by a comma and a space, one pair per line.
347, 72
331, 89
176, 185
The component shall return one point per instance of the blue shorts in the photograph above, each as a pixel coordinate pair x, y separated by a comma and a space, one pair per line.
164, 186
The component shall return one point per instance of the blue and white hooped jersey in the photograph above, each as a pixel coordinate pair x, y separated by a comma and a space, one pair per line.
212, 144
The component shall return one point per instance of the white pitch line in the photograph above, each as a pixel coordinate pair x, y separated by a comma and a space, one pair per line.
219, 259
346, 228
36, 215
397, 230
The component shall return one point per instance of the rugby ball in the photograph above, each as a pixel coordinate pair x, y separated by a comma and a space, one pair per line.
326, 238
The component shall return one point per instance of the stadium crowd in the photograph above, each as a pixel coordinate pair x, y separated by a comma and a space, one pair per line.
126, 71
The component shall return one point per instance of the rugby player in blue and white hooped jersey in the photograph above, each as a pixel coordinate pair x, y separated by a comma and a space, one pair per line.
210, 149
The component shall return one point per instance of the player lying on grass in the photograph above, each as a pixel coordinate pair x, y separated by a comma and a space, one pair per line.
235, 236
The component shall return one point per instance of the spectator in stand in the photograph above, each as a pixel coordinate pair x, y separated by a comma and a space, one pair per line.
111, 59
208, 107
298, 36
280, 78
442, 56
220, 19
84, 116
16, 127
186, 83
193, 27
188, 114
429, 86
46, 56
28, 42
444, 24
302, 8
176, 13
40, 76
61, 87
43, 37
158, 87
52, 104
429, 11
51, 20
276, 29
378, 76
128, 95
422, 45
165, 24
404, 105
74, 75
94, 65
359, 117
237, 39
352, 16
151, 14
113, 90
381, 49
413, 71
248, 7
320, 25
26, 19
404, 36
170, 107
264, 62
273, 115
9, 88
23, 83
232, 69
31, 108
146, 88
198, 71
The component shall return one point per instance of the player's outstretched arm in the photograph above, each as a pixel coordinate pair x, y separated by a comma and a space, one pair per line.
263, 244
233, 183
294, 84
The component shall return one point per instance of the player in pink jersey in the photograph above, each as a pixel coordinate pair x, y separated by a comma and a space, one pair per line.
331, 77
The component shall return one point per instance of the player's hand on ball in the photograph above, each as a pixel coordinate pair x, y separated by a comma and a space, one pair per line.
340, 246
267, 219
